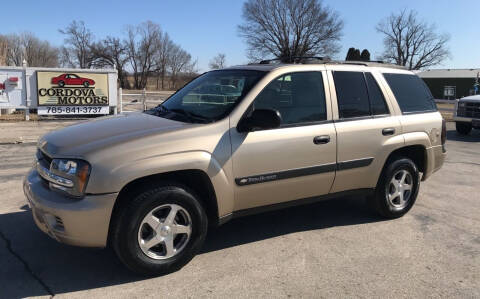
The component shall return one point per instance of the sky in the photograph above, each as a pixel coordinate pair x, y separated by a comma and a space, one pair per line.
207, 27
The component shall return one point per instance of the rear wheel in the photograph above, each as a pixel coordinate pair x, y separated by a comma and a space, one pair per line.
160, 230
397, 188
463, 127
61, 83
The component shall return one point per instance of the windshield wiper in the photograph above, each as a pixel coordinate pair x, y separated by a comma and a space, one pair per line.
190, 115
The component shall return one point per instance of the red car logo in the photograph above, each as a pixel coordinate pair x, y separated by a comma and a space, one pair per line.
72, 79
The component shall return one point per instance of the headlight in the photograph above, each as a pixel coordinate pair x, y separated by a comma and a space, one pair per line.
461, 104
68, 175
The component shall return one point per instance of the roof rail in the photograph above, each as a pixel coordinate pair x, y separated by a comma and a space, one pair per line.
322, 60
293, 59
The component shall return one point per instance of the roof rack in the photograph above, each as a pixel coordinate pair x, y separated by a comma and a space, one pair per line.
322, 60
293, 59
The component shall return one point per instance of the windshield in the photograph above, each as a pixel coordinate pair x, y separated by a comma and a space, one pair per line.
210, 97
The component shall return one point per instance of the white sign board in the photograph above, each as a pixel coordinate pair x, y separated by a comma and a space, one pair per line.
12, 91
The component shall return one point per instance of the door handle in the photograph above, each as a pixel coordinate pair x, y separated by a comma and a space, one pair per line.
388, 131
323, 139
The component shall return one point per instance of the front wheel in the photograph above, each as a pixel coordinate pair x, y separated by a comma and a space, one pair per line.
397, 188
160, 230
463, 128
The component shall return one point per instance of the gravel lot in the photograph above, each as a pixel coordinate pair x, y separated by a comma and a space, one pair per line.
336, 248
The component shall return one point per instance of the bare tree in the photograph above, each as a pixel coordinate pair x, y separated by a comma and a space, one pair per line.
112, 52
77, 50
166, 46
3, 50
142, 46
180, 62
289, 28
28, 47
218, 62
412, 42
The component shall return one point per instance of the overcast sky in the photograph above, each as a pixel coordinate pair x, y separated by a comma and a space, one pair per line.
205, 28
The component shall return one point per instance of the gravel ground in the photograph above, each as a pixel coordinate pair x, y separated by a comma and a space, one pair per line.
335, 248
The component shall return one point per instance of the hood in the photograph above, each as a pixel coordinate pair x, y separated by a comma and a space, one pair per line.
86, 136
475, 98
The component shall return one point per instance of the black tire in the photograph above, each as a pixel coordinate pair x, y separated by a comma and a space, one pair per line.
380, 202
61, 83
86, 84
463, 128
127, 221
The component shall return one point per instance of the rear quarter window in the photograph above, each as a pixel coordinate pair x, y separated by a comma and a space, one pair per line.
411, 93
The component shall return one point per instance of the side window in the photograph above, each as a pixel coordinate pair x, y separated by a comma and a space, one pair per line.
352, 95
411, 93
299, 97
377, 101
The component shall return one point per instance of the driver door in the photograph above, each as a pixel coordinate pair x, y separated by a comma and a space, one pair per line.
296, 160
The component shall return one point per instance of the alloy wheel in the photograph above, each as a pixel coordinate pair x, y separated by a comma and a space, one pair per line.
399, 190
165, 231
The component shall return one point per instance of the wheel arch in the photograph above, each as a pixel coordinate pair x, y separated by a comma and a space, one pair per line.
195, 179
416, 152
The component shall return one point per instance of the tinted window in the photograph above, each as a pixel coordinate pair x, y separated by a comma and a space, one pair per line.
377, 101
299, 97
411, 93
352, 95
209, 97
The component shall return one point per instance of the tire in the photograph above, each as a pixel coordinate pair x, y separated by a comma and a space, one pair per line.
386, 201
463, 128
86, 84
61, 83
131, 235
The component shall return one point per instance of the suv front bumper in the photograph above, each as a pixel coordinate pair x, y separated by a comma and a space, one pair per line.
80, 222
474, 121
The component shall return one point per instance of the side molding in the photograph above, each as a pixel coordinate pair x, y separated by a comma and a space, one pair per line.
299, 172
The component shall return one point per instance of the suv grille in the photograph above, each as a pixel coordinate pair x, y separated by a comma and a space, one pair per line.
470, 110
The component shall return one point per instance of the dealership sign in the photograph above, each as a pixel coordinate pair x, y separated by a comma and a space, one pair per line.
72, 93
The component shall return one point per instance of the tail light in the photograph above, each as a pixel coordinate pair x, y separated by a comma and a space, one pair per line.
2, 86
444, 134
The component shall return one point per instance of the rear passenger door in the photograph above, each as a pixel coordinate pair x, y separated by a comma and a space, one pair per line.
367, 129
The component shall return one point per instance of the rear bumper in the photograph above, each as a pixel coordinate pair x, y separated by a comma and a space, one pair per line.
83, 222
436, 156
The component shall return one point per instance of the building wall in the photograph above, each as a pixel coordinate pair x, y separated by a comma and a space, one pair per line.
463, 86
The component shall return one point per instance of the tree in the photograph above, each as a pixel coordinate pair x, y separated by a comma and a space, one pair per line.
142, 46
3, 50
289, 28
365, 56
411, 42
78, 41
218, 62
26, 46
111, 52
353, 54
166, 47
180, 62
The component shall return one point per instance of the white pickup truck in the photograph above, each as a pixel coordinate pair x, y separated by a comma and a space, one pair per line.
467, 114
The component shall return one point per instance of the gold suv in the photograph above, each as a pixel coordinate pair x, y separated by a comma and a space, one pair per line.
235, 142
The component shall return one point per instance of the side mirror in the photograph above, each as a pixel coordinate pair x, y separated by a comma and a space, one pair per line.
260, 119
